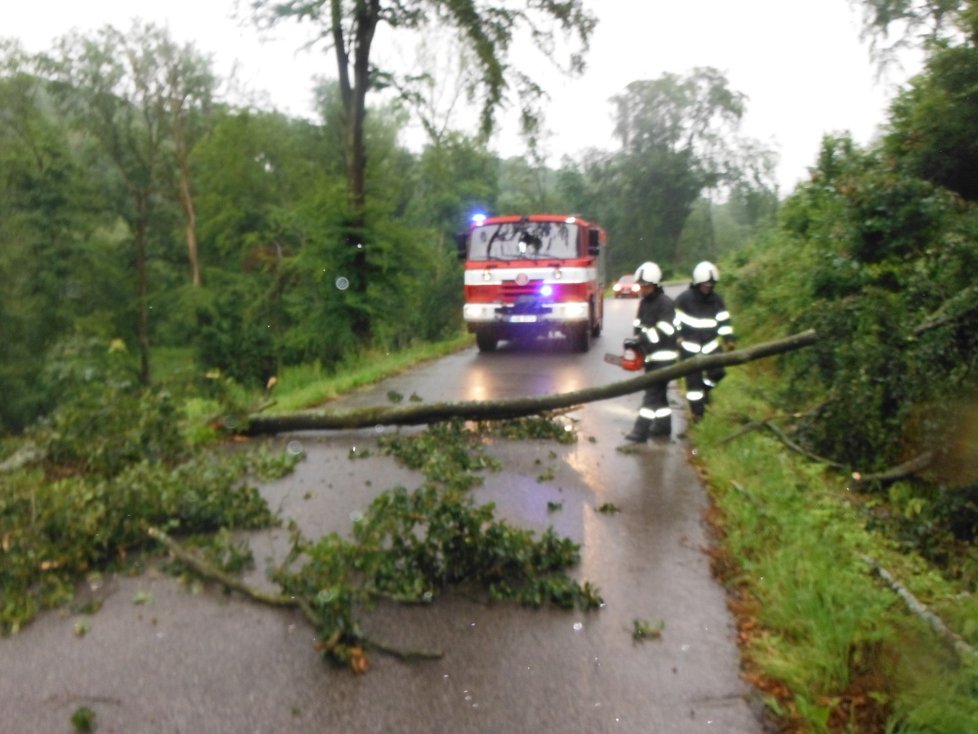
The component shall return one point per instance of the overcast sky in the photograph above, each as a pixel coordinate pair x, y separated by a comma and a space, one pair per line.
800, 63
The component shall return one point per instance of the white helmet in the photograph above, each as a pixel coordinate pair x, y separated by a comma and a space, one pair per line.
705, 272
648, 272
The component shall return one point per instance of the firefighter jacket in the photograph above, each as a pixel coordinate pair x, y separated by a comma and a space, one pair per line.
655, 327
702, 321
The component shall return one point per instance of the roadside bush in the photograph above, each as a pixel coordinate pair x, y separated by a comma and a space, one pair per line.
109, 429
236, 334
880, 264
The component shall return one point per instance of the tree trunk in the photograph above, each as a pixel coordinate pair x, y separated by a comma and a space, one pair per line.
517, 407
353, 93
141, 237
189, 211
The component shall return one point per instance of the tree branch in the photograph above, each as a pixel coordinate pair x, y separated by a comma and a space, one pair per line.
799, 449
964, 300
906, 469
860, 480
959, 645
209, 571
517, 407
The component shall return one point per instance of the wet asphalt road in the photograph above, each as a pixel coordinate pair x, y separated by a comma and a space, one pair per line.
200, 660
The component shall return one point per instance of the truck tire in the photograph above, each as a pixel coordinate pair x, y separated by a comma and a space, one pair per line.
486, 342
580, 338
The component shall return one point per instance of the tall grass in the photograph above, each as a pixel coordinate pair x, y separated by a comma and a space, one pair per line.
304, 386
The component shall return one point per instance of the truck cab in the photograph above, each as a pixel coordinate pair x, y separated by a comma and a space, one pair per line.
539, 275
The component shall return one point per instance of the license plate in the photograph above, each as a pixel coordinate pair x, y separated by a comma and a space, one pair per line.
523, 319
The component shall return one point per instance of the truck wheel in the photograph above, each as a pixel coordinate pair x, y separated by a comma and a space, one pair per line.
581, 338
486, 342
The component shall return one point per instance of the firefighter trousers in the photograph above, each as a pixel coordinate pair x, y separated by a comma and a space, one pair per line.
698, 386
654, 415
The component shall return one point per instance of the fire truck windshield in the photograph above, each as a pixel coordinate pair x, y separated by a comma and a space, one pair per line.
524, 241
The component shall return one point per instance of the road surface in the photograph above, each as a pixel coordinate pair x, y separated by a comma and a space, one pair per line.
200, 660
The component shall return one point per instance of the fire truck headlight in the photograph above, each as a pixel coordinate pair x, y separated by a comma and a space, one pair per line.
479, 312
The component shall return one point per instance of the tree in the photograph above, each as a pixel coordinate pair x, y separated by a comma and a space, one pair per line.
910, 23
113, 87
934, 123
350, 28
48, 210
677, 137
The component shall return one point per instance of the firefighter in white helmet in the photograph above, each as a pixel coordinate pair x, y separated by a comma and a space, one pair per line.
703, 325
655, 328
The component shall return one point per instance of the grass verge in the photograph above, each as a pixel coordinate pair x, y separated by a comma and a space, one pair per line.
830, 647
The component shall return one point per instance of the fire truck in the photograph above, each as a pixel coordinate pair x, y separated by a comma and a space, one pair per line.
541, 275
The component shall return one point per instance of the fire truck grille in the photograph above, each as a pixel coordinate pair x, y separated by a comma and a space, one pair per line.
512, 290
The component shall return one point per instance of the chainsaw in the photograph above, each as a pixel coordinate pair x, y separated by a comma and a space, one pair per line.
632, 357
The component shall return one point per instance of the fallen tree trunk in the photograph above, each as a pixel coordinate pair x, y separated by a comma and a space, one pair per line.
517, 407
937, 624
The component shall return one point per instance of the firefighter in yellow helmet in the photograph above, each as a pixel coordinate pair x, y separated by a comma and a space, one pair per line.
655, 329
703, 326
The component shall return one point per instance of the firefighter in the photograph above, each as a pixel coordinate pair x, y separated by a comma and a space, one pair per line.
656, 332
703, 326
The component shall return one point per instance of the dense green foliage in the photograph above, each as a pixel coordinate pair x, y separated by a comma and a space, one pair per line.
877, 252
880, 264
112, 463
95, 240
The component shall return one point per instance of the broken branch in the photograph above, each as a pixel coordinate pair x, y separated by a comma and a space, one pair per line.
800, 449
901, 471
209, 571
518, 407
918, 608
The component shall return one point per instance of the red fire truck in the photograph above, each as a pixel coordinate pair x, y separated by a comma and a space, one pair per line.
533, 276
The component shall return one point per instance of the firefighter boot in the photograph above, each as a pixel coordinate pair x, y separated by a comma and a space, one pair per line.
640, 431
661, 428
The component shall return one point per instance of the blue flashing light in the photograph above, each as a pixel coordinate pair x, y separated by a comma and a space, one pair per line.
546, 291
477, 219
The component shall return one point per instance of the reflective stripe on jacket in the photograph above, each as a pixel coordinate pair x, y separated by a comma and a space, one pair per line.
702, 320
654, 324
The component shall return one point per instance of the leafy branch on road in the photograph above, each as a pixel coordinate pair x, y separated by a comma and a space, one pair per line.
410, 546
91, 500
